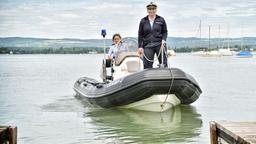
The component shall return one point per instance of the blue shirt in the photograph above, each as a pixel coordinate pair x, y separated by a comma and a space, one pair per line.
114, 49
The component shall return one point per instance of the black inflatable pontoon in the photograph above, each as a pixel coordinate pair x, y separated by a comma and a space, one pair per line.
139, 86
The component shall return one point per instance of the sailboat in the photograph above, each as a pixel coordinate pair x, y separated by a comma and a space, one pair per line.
199, 53
243, 53
171, 52
206, 53
225, 51
213, 52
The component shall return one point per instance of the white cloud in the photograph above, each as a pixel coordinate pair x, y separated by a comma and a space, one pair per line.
84, 19
48, 21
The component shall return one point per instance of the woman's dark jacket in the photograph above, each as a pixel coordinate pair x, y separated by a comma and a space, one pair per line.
148, 36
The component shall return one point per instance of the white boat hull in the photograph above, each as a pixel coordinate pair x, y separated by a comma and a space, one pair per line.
155, 103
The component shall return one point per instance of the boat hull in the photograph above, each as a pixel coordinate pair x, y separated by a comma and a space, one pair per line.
155, 103
150, 90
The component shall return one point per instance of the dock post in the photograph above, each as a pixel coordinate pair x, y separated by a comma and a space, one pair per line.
8, 134
12, 135
213, 133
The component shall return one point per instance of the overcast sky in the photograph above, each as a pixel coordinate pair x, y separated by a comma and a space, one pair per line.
85, 18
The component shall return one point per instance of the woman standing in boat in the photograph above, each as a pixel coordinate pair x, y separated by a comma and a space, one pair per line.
152, 36
116, 46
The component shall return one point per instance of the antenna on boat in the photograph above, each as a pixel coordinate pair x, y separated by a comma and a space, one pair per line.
104, 72
104, 33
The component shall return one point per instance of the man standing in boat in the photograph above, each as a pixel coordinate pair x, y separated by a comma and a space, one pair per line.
152, 37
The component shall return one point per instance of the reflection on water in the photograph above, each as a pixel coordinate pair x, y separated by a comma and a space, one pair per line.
182, 124
178, 125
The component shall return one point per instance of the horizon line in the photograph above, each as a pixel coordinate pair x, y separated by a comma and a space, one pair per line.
125, 37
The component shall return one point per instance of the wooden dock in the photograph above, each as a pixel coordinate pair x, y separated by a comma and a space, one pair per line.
8, 135
233, 132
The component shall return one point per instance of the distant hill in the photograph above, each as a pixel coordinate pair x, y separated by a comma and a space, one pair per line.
36, 45
192, 42
177, 42
51, 43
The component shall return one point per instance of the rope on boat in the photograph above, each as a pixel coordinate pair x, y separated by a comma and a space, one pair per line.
172, 79
169, 67
154, 59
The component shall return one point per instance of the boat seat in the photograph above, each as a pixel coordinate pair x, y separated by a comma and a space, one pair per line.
131, 66
120, 58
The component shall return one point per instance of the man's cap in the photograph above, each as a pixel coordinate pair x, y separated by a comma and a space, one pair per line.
152, 4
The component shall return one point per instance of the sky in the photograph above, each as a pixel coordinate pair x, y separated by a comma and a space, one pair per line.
84, 19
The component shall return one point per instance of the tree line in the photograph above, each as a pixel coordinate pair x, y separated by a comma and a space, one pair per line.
85, 50
61, 50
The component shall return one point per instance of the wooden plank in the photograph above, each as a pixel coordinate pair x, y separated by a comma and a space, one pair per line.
236, 132
240, 130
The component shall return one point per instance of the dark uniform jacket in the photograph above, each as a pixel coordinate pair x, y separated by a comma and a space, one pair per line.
149, 36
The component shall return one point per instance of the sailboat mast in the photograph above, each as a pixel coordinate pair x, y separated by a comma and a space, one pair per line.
209, 37
200, 30
242, 37
219, 38
228, 35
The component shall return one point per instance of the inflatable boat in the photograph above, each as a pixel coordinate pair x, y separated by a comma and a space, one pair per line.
130, 86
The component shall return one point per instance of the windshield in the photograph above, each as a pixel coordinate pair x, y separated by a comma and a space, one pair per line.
131, 44
130, 49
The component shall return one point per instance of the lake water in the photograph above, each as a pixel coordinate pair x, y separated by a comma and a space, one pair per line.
36, 95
